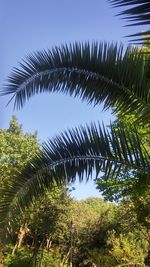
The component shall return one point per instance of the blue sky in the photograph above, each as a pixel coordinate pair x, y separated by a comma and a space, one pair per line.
32, 25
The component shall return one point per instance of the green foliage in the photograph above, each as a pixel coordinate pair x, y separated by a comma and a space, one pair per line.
128, 250
142, 208
87, 212
91, 218
127, 182
47, 258
102, 233
26, 258
16, 150
48, 219
101, 257
22, 259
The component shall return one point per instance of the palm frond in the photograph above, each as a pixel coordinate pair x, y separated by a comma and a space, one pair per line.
96, 72
81, 152
138, 14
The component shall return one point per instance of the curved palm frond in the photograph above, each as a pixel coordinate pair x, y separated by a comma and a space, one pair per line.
138, 14
94, 72
82, 151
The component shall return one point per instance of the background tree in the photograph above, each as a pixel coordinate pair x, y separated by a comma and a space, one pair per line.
47, 239
16, 150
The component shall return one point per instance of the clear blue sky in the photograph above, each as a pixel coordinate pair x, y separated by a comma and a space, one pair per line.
31, 25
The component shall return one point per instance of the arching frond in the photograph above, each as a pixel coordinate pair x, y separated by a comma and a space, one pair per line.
81, 152
93, 72
138, 14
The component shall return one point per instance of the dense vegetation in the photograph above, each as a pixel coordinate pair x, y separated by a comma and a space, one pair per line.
57, 230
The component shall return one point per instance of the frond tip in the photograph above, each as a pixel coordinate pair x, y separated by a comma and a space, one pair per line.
138, 14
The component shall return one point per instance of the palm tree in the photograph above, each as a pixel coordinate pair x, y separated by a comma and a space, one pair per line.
96, 73
137, 14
